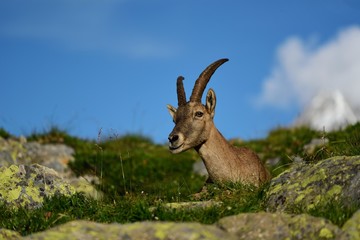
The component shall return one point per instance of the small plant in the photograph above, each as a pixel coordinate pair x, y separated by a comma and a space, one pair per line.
4, 134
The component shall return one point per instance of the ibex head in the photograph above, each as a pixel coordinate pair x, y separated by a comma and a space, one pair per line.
193, 120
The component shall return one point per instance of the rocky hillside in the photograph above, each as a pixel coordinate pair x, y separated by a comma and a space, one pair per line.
56, 186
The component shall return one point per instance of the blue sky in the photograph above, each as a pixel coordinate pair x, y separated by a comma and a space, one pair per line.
86, 65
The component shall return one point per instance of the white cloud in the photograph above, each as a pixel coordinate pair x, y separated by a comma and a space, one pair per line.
84, 26
304, 69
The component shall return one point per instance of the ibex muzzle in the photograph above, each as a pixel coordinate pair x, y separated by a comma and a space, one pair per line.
194, 128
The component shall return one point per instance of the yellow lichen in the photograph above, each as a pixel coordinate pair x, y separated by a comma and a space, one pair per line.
275, 189
34, 193
335, 190
326, 233
299, 198
8, 172
321, 175
13, 194
161, 229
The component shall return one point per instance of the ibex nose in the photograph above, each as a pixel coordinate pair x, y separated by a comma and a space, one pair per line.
173, 138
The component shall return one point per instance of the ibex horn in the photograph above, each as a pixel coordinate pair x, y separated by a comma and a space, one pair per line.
203, 79
180, 91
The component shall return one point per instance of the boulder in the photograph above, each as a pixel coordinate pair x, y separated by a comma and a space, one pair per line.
189, 206
279, 226
140, 230
54, 156
352, 227
28, 186
6, 234
19, 151
308, 186
243, 226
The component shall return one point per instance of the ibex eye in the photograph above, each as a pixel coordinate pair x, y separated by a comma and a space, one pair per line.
199, 114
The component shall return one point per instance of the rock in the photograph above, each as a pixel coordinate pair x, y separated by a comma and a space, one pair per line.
12, 152
199, 168
27, 186
315, 143
189, 206
279, 226
140, 230
84, 185
55, 156
307, 186
352, 227
243, 226
6, 234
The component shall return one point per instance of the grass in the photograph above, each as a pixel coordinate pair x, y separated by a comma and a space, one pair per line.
137, 174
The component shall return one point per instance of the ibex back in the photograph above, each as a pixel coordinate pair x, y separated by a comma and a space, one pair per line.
194, 128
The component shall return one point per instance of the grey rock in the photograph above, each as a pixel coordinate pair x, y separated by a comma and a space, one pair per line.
19, 151
315, 144
54, 156
28, 186
279, 226
352, 227
189, 206
307, 186
199, 168
6, 234
140, 230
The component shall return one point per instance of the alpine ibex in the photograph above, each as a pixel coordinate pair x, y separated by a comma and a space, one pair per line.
194, 128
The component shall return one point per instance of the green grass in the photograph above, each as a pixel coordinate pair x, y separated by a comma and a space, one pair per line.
136, 174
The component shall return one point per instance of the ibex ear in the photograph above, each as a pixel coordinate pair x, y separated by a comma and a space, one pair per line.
172, 111
211, 102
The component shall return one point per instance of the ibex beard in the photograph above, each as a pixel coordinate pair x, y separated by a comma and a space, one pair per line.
194, 128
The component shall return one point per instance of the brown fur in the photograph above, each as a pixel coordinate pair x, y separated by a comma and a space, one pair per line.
194, 128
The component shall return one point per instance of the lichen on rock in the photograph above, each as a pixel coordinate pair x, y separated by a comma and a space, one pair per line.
307, 186
352, 226
28, 186
140, 230
6, 234
279, 226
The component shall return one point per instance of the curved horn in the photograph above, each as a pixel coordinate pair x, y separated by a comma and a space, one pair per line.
203, 79
180, 91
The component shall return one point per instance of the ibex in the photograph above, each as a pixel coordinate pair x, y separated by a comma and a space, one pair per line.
194, 128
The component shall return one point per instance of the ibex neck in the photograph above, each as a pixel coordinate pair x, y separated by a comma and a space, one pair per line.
219, 157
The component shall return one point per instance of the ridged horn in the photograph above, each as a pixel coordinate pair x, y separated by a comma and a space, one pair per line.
180, 91
203, 79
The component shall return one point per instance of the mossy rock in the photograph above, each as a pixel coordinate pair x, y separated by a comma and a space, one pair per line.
28, 186
140, 230
352, 227
242, 226
6, 234
279, 226
305, 187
